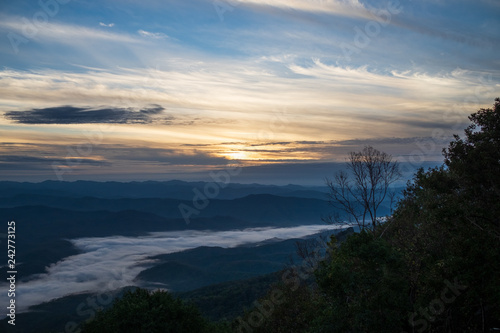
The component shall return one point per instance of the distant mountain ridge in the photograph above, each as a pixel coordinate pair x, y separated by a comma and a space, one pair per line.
174, 189
49, 215
54, 212
254, 208
42, 220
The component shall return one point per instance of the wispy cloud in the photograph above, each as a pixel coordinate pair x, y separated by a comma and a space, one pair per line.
428, 27
400, 103
316, 84
62, 32
109, 25
225, 81
35, 163
154, 35
351, 8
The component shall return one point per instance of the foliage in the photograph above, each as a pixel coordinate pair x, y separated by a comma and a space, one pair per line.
149, 312
447, 226
287, 308
434, 266
475, 164
363, 287
437, 259
227, 300
293, 303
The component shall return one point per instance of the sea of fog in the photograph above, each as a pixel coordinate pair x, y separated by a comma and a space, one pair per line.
109, 263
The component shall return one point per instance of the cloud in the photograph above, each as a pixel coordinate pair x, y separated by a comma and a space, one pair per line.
350, 8
165, 156
154, 35
73, 158
313, 87
337, 150
322, 101
426, 27
236, 104
110, 25
78, 115
341, 143
286, 143
35, 159
114, 262
61, 32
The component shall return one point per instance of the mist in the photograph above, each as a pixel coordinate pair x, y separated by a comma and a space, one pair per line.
109, 263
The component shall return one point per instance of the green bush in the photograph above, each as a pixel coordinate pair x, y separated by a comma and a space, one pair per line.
142, 311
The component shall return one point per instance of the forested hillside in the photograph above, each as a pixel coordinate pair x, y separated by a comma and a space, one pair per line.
434, 266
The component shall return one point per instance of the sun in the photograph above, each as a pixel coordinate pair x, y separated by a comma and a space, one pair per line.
237, 155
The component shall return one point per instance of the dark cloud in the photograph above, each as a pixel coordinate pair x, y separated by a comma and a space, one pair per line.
165, 156
21, 162
311, 173
34, 159
282, 143
310, 142
105, 157
381, 141
79, 115
12, 144
231, 143
458, 126
126, 162
197, 145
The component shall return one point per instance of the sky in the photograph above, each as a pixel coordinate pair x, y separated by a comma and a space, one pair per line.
158, 90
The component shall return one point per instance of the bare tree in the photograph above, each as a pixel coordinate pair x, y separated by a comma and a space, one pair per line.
359, 192
311, 251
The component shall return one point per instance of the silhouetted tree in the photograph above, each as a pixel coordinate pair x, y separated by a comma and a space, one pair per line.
360, 191
474, 162
364, 287
142, 311
447, 228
